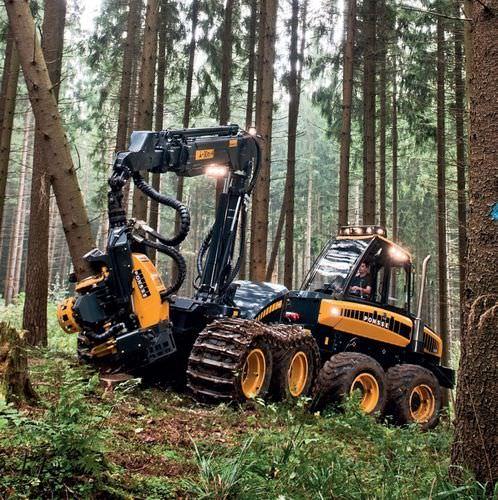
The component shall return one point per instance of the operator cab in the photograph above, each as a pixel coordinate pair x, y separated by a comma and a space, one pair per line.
362, 265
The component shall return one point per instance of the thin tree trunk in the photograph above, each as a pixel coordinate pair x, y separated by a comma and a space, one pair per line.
347, 95
132, 25
159, 114
475, 446
309, 222
35, 305
460, 158
264, 111
226, 76
146, 92
251, 43
56, 147
382, 113
394, 140
369, 113
441, 193
7, 105
17, 232
278, 238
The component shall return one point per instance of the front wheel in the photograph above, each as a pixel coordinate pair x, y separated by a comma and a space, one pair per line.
346, 373
414, 396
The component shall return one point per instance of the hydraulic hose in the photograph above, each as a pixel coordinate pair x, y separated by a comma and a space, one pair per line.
182, 210
202, 251
177, 258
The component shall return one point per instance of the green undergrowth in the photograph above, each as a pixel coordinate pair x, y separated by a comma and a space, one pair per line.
150, 442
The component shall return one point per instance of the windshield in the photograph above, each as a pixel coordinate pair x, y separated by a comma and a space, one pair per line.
334, 265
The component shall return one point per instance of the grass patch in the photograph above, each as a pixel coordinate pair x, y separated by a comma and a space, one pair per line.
152, 443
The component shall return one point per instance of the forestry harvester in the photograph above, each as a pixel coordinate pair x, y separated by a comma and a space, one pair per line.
236, 340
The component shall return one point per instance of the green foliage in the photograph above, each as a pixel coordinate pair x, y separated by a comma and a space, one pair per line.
47, 456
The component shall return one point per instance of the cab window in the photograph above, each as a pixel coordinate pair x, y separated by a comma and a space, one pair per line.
399, 288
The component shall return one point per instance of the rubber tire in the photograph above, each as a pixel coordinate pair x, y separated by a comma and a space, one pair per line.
281, 362
401, 380
337, 375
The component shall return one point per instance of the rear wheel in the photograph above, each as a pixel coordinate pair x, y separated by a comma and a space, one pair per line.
414, 396
344, 374
295, 367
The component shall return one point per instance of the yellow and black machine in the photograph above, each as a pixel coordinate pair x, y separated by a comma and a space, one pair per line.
127, 319
236, 340
358, 302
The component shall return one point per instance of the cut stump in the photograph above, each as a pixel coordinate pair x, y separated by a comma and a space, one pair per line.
15, 385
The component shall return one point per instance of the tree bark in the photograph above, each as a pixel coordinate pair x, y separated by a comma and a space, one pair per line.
347, 96
15, 384
460, 156
7, 105
264, 111
382, 112
226, 77
394, 141
129, 51
251, 63
57, 153
441, 193
159, 113
369, 112
145, 108
35, 304
475, 445
17, 230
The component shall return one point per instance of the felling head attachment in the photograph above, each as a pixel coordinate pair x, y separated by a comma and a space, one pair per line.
65, 315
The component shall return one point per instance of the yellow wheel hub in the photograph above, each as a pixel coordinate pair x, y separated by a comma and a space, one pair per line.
297, 375
422, 403
370, 392
253, 373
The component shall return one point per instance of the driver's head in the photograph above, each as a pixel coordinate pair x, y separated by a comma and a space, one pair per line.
364, 268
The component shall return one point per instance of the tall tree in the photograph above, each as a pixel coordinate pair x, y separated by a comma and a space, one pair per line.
48, 121
441, 189
475, 445
382, 21
394, 145
129, 51
251, 63
145, 108
294, 80
460, 152
264, 120
226, 74
369, 69
347, 97
17, 229
7, 106
35, 304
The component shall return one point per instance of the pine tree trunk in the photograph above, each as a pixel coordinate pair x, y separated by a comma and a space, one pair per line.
460, 157
251, 63
260, 204
56, 148
159, 113
35, 304
475, 445
441, 193
226, 76
145, 108
347, 95
17, 231
187, 106
124, 117
369, 56
295, 80
7, 105
394, 141
309, 222
382, 112
23, 207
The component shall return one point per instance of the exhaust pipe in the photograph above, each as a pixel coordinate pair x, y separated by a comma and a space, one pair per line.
418, 326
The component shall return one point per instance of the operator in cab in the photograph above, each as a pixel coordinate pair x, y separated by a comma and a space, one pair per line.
361, 284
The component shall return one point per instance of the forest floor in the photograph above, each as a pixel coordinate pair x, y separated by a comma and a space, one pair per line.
149, 442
